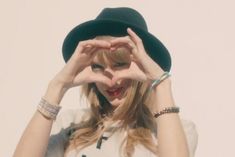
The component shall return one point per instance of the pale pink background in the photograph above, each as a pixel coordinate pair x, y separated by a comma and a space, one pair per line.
198, 33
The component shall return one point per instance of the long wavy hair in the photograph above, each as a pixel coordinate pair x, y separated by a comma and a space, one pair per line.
132, 116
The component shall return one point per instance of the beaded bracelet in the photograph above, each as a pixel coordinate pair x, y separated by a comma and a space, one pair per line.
48, 110
173, 109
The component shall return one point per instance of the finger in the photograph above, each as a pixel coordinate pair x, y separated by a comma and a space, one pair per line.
118, 39
122, 45
95, 43
133, 72
91, 51
75, 63
104, 80
85, 45
93, 77
94, 46
124, 41
83, 76
123, 74
132, 76
137, 40
88, 49
116, 80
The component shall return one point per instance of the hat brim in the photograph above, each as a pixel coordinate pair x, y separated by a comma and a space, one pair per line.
90, 29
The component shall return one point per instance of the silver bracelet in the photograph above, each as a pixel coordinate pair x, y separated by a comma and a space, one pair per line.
158, 81
48, 110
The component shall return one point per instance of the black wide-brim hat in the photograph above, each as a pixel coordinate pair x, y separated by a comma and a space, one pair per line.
114, 22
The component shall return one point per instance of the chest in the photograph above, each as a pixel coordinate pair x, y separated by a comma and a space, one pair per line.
109, 145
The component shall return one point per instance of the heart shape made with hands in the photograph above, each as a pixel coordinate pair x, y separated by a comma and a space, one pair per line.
141, 67
133, 71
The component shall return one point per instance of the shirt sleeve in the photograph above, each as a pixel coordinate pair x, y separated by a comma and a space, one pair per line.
191, 135
60, 131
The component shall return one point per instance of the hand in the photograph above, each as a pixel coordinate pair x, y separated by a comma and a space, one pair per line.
145, 65
132, 72
77, 70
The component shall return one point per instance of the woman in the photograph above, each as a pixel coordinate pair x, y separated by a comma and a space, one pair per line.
124, 74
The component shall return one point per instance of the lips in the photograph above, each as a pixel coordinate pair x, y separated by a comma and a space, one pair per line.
114, 91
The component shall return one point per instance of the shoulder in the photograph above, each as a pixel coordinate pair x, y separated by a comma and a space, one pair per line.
68, 116
191, 134
189, 127
60, 129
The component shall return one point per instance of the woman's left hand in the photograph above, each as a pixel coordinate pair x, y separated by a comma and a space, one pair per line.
142, 63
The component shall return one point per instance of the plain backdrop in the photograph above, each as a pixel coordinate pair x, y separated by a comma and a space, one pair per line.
198, 33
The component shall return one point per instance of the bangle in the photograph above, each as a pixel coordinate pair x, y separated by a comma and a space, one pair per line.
48, 110
167, 110
158, 81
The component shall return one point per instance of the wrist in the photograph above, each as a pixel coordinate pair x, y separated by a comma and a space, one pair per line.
163, 85
166, 83
54, 93
163, 95
169, 109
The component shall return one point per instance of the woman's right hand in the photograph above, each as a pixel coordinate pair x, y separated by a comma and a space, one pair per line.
78, 71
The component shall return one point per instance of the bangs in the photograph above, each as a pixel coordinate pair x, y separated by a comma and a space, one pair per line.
121, 54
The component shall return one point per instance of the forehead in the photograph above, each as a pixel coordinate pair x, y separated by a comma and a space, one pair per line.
100, 57
105, 56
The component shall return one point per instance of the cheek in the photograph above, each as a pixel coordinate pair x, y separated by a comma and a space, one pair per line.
100, 87
128, 83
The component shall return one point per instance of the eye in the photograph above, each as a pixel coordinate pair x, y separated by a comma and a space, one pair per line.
96, 67
120, 64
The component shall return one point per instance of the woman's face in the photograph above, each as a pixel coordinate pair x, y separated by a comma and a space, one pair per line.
110, 66
116, 94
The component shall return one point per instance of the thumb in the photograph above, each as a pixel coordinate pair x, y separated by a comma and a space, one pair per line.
104, 80
116, 80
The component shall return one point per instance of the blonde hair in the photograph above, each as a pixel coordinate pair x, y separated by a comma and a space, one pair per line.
133, 115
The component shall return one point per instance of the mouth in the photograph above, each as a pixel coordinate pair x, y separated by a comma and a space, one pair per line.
115, 91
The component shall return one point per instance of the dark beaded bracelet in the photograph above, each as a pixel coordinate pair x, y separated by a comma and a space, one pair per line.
167, 110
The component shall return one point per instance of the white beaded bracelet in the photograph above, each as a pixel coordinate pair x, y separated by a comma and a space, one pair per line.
48, 110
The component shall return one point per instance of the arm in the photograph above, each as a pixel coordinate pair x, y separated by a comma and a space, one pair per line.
34, 141
171, 137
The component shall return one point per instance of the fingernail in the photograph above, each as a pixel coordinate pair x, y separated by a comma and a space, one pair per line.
112, 49
88, 46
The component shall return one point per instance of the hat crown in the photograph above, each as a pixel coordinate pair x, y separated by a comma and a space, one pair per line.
114, 22
125, 15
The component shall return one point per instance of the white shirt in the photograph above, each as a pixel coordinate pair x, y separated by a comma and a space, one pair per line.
108, 147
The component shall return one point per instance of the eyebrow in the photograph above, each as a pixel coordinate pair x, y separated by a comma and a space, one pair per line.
97, 64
